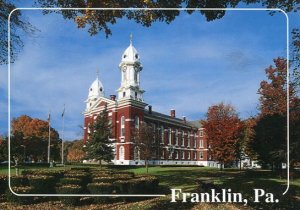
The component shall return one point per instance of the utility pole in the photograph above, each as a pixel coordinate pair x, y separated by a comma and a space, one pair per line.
49, 137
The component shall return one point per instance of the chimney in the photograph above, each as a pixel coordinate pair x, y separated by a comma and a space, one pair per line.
172, 113
184, 118
113, 97
150, 109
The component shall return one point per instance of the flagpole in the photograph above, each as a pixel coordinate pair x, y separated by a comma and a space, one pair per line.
62, 136
49, 138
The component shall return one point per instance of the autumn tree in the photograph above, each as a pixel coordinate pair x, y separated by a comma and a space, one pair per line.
223, 129
75, 151
271, 129
99, 145
33, 133
146, 142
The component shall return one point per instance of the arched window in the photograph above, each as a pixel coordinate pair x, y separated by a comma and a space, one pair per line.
122, 126
136, 122
136, 153
121, 153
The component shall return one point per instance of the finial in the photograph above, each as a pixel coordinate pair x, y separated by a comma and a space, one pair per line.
97, 73
130, 37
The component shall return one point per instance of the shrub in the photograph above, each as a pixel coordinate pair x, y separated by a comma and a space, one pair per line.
101, 188
3, 184
122, 186
20, 199
83, 176
18, 181
104, 179
42, 183
69, 189
69, 180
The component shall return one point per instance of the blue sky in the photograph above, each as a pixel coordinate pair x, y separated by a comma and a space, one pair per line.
189, 65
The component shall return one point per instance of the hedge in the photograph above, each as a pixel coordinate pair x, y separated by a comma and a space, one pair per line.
69, 189
101, 188
69, 180
42, 183
20, 199
18, 181
3, 184
104, 179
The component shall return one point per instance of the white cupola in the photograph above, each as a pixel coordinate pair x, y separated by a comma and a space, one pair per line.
96, 91
130, 68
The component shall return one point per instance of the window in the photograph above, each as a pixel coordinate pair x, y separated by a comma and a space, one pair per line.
121, 153
136, 153
136, 122
201, 133
201, 155
162, 133
122, 126
189, 155
176, 137
182, 138
170, 136
195, 155
176, 154
195, 142
124, 94
135, 95
201, 143
135, 76
162, 154
182, 155
189, 139
100, 89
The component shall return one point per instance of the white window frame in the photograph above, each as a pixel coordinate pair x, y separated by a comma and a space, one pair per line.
122, 127
189, 139
189, 155
136, 122
182, 155
195, 155
176, 154
201, 133
121, 153
162, 132
182, 138
201, 143
176, 137
201, 155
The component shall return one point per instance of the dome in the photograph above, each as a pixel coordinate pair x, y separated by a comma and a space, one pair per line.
96, 89
130, 54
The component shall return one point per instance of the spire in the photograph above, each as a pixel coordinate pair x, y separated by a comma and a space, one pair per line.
130, 37
97, 73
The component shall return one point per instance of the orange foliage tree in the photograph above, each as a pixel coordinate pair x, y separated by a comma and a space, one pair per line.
33, 133
223, 129
75, 152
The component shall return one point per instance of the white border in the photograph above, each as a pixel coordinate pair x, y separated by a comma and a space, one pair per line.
144, 9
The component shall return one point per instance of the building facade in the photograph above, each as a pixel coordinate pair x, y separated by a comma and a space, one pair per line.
182, 142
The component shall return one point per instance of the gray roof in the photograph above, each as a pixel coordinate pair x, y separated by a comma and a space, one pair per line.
195, 123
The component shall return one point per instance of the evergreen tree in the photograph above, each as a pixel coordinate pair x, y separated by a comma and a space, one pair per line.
99, 146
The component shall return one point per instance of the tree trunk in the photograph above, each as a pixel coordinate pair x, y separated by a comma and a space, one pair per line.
100, 164
240, 164
146, 164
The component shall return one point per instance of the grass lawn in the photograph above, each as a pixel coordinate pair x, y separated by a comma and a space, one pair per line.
185, 179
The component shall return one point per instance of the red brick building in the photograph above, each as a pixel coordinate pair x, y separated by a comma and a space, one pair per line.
182, 141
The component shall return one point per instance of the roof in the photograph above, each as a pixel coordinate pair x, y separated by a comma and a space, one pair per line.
195, 124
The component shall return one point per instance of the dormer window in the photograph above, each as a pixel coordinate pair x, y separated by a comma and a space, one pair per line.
101, 89
136, 56
91, 89
124, 56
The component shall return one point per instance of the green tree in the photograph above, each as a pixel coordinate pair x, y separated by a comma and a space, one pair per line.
146, 142
99, 145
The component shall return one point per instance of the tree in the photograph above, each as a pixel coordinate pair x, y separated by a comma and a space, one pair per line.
75, 152
99, 20
99, 146
223, 130
146, 142
33, 133
271, 129
18, 25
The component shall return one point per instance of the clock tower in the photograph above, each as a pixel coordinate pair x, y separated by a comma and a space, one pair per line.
130, 68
